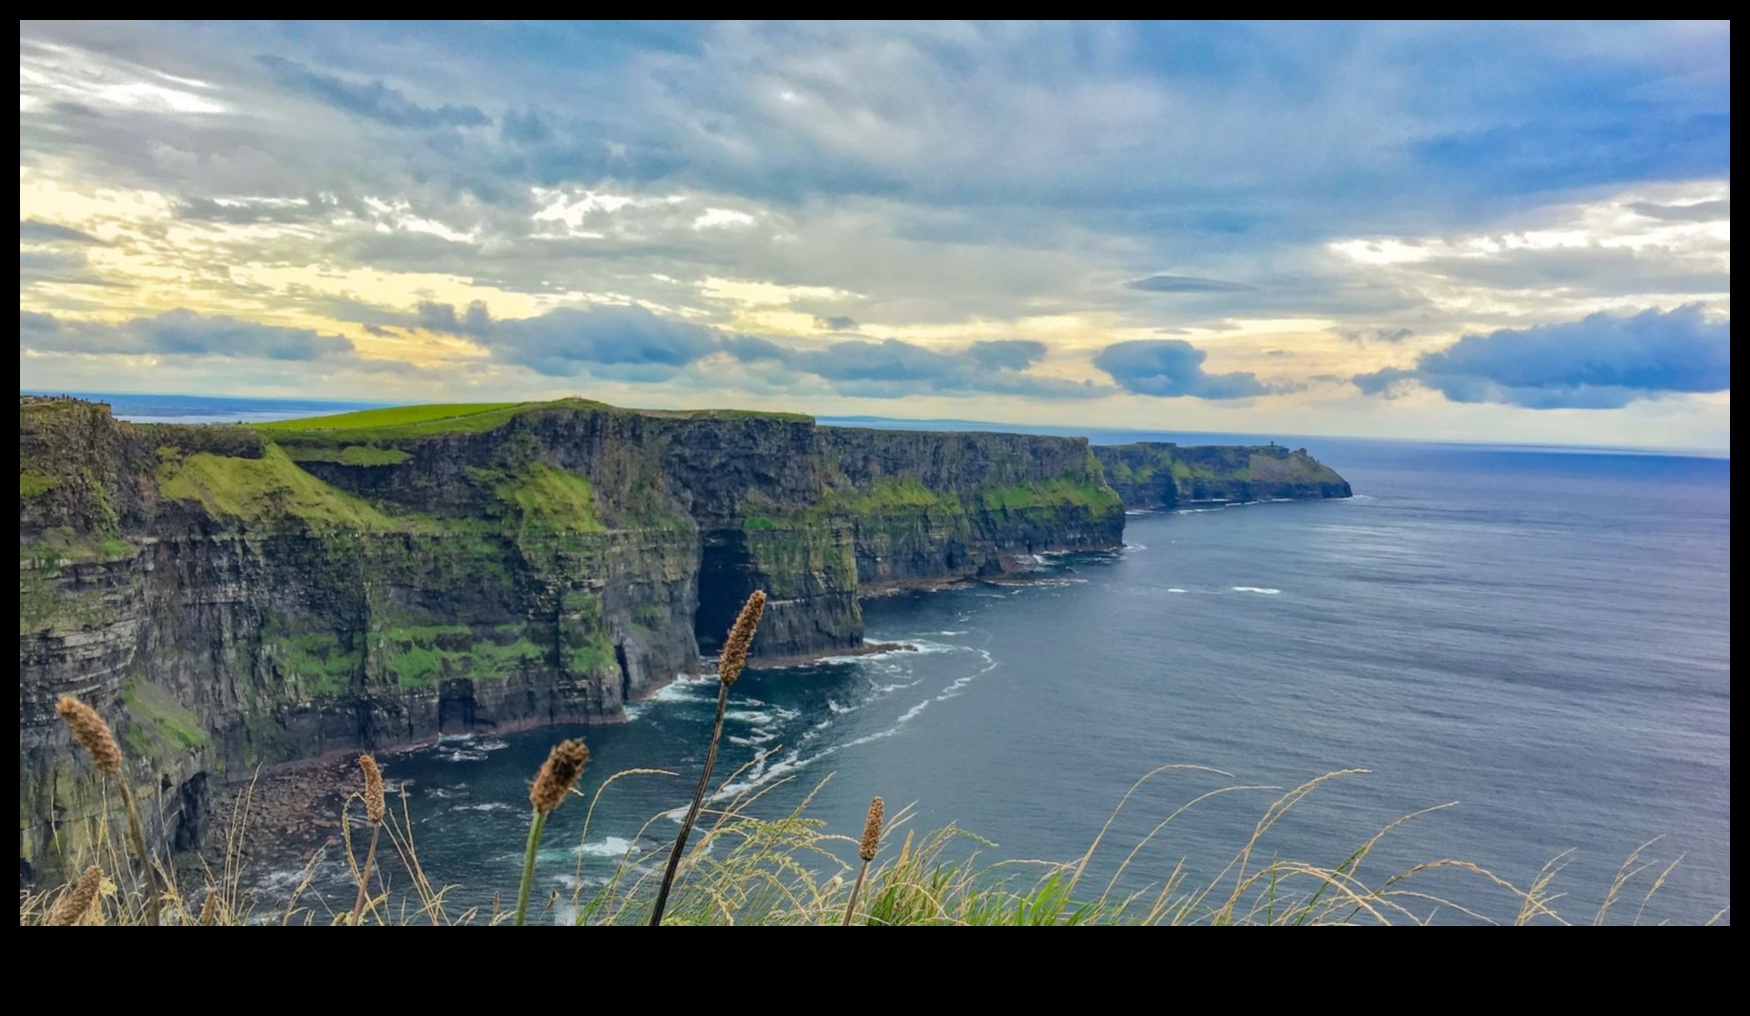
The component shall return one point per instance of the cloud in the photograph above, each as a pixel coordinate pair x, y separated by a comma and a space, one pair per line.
1172, 368
235, 210
632, 344
1699, 211
562, 343
64, 267
1363, 335
1602, 361
372, 101
1007, 354
1185, 284
947, 182
179, 333
36, 231
475, 321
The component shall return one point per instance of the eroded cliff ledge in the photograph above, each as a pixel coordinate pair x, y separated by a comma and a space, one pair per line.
234, 596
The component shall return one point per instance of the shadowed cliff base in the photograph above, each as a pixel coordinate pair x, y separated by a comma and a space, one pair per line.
231, 596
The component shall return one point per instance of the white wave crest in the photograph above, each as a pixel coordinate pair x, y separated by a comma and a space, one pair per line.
1256, 589
485, 806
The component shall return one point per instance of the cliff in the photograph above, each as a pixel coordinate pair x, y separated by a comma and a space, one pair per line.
233, 596
1152, 474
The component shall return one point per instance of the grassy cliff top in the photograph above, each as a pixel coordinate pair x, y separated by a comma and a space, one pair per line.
472, 417
392, 416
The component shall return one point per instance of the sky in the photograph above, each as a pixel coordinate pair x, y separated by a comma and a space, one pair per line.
1452, 232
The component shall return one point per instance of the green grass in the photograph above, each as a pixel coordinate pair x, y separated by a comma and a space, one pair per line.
32, 483
316, 660
889, 494
269, 489
552, 498
1050, 493
596, 653
418, 656
392, 416
155, 709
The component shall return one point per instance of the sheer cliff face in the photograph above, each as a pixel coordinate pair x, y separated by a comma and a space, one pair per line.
230, 597
1161, 475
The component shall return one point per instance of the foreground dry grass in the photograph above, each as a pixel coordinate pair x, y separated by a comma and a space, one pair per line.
790, 870
744, 869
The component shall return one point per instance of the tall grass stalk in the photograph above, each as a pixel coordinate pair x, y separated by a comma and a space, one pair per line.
789, 869
729, 667
866, 848
94, 735
557, 776
375, 807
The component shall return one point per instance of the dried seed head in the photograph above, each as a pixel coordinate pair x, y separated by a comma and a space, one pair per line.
75, 901
92, 734
872, 830
558, 774
209, 909
741, 633
374, 807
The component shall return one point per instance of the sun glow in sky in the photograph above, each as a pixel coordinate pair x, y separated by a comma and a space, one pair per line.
1471, 232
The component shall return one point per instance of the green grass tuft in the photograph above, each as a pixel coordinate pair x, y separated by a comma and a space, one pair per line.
552, 498
1090, 494
156, 710
32, 483
269, 489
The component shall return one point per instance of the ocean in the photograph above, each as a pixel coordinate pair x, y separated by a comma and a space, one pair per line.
1537, 637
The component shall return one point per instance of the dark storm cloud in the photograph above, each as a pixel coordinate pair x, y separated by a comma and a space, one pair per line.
1185, 284
1599, 362
1173, 368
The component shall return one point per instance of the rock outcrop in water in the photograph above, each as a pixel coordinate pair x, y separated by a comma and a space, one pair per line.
1152, 474
232, 596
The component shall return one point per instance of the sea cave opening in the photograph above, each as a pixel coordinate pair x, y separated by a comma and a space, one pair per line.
725, 581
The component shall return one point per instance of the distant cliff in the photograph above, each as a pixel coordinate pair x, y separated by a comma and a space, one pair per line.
1153, 474
230, 596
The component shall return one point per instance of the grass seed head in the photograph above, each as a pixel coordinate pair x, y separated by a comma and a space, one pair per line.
558, 775
735, 647
76, 901
872, 830
374, 805
92, 734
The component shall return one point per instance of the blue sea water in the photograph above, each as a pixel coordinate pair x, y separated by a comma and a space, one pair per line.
1539, 636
